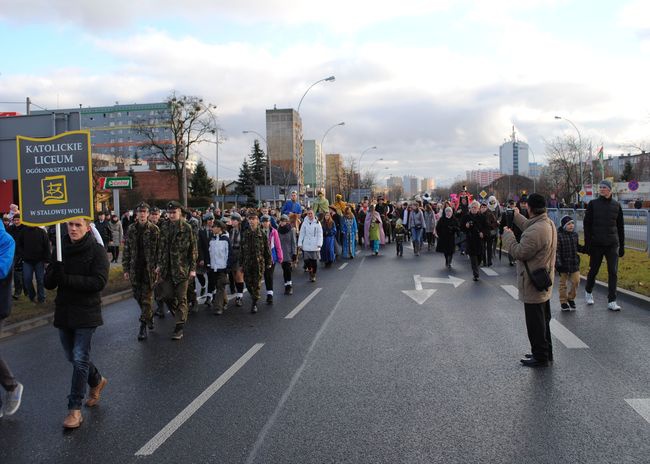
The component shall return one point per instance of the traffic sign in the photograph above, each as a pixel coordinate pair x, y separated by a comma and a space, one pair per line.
107, 183
483, 194
633, 185
582, 193
55, 178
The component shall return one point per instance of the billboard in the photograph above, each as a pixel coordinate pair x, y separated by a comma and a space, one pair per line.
54, 178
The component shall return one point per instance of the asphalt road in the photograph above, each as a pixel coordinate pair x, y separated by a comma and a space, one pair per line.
362, 373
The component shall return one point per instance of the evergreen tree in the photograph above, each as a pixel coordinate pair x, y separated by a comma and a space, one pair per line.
200, 184
257, 164
627, 175
246, 181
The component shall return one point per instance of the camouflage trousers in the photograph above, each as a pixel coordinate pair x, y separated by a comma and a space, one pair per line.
143, 294
175, 295
253, 281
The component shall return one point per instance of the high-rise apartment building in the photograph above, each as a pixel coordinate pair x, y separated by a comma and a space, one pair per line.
411, 185
483, 177
393, 181
335, 182
113, 128
428, 184
284, 136
513, 157
314, 162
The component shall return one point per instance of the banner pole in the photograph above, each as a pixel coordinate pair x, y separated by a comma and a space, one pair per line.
59, 254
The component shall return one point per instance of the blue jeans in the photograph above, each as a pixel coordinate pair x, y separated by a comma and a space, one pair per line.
76, 346
416, 234
29, 269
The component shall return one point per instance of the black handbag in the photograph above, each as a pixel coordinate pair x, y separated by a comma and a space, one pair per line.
540, 278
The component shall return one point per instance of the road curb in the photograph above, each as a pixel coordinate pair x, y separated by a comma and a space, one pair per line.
46, 319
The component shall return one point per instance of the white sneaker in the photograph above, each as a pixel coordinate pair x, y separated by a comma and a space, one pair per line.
589, 298
613, 306
12, 400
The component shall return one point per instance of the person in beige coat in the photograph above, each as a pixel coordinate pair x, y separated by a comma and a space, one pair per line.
537, 247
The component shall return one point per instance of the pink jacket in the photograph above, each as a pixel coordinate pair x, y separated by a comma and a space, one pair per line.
274, 244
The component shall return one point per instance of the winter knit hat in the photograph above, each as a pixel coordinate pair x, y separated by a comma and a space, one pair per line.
565, 221
605, 183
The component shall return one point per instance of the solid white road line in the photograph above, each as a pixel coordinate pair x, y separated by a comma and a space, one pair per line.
298, 308
160, 438
642, 406
342, 266
567, 337
512, 291
490, 272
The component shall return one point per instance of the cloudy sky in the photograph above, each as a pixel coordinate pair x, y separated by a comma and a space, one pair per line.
436, 85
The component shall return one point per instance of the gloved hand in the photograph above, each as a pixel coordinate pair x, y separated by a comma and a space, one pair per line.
621, 252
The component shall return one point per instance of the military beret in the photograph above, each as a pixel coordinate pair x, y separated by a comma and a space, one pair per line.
208, 217
265, 218
284, 217
235, 217
143, 206
155, 209
174, 205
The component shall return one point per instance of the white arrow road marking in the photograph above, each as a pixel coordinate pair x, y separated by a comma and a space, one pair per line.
512, 291
419, 296
567, 337
489, 272
160, 438
455, 281
642, 406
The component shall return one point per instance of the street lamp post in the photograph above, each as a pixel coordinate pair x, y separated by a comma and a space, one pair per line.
359, 164
326, 79
268, 160
579, 150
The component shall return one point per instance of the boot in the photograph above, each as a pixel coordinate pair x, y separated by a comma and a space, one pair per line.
160, 311
142, 335
150, 324
73, 420
95, 393
269, 299
178, 332
218, 311
254, 307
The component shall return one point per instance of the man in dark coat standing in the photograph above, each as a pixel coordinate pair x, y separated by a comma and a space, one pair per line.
79, 280
604, 236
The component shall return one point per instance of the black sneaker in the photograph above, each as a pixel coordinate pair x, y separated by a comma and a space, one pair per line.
269, 299
238, 301
160, 312
150, 324
218, 311
142, 335
565, 307
287, 289
572, 304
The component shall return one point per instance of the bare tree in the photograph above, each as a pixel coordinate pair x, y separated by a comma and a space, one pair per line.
564, 158
349, 177
186, 121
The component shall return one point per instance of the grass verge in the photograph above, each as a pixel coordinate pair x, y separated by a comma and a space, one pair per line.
633, 271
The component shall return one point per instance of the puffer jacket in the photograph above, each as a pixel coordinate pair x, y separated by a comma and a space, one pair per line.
79, 280
566, 258
537, 246
604, 223
311, 235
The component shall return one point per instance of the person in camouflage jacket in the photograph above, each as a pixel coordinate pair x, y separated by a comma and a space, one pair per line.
139, 264
177, 257
255, 258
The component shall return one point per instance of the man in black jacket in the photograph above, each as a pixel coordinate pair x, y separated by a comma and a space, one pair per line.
79, 280
34, 246
604, 236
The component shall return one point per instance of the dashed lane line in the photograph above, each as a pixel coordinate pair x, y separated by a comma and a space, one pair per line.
511, 290
489, 272
565, 336
342, 266
642, 406
160, 438
304, 302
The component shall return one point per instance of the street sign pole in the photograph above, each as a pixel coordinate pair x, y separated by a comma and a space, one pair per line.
116, 202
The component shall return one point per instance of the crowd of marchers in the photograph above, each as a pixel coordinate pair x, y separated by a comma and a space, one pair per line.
179, 260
